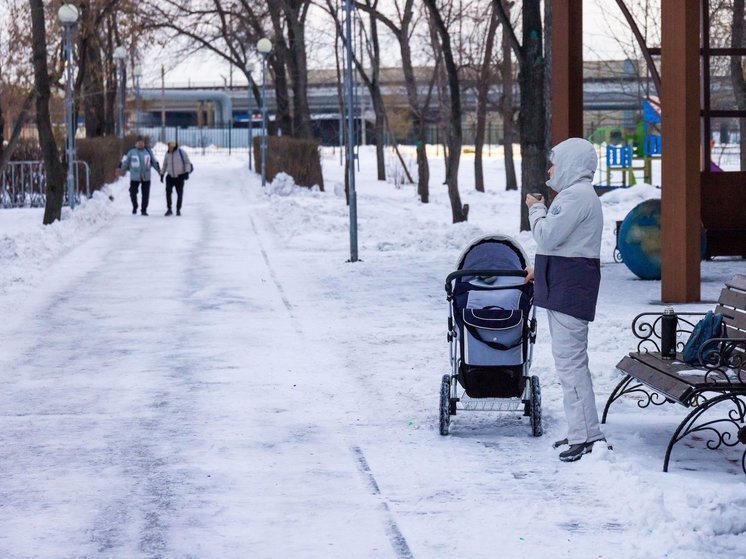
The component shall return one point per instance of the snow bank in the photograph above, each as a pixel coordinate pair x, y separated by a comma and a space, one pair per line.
27, 247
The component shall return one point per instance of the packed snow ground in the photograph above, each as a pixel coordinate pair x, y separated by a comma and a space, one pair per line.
225, 384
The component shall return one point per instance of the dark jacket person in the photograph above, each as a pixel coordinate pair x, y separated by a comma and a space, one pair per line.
567, 276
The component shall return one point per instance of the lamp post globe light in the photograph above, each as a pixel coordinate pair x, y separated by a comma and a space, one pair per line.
68, 16
264, 46
120, 54
137, 74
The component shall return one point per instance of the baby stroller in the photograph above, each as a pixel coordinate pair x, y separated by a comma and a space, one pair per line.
490, 334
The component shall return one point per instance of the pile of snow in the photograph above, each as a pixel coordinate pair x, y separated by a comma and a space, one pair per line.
27, 247
284, 185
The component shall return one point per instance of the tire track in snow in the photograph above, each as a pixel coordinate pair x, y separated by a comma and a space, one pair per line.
394, 534
273, 275
398, 542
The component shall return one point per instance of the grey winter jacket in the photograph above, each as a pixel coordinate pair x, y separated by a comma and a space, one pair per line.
139, 162
568, 236
176, 163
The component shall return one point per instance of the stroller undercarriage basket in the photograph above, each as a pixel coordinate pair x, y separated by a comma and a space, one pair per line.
491, 331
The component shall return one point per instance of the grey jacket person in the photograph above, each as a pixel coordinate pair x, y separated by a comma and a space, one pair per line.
139, 162
568, 236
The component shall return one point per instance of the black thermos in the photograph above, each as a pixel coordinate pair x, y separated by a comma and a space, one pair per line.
668, 333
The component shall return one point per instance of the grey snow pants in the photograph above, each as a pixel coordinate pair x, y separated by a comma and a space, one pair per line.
570, 351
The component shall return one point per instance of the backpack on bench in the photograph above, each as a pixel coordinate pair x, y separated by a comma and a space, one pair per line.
711, 326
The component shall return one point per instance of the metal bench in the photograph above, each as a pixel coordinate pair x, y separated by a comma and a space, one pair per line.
719, 380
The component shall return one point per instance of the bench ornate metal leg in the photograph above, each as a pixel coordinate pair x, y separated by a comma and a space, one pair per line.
629, 385
720, 430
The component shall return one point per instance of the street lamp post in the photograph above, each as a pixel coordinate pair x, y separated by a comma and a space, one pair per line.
137, 74
352, 196
119, 55
68, 16
264, 46
250, 69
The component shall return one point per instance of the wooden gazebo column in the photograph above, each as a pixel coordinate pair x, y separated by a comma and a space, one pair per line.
567, 70
681, 146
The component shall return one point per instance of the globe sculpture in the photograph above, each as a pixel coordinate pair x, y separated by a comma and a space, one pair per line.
639, 240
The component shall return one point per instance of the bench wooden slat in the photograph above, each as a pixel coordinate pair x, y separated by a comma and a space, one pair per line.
733, 298
669, 386
737, 282
733, 318
735, 332
673, 368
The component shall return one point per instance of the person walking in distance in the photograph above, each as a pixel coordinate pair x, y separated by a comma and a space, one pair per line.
138, 161
567, 276
176, 168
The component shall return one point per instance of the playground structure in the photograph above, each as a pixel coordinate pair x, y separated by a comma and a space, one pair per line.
617, 150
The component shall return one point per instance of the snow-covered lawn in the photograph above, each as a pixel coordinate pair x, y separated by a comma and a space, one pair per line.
225, 384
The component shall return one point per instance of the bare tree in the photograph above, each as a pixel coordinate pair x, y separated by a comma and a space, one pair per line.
459, 212
230, 31
402, 27
371, 77
289, 24
485, 79
530, 55
6, 152
507, 102
52, 163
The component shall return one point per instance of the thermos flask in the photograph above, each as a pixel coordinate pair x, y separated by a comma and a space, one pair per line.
668, 333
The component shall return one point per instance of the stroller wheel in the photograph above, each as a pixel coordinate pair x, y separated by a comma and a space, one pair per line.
536, 428
445, 404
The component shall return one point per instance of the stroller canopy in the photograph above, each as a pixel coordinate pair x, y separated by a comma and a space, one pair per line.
493, 252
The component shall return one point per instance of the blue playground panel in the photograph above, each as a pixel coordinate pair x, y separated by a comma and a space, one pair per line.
619, 156
651, 145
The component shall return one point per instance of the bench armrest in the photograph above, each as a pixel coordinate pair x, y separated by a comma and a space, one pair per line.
647, 328
721, 356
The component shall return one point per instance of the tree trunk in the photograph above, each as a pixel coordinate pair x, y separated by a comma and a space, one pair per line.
459, 212
378, 105
506, 102
736, 73
54, 172
532, 118
485, 79
15, 135
297, 66
112, 81
93, 90
278, 60
380, 127
423, 167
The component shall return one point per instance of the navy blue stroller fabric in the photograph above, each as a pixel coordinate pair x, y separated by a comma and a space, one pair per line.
492, 316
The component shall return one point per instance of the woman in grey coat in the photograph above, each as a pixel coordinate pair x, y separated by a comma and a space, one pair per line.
567, 276
176, 167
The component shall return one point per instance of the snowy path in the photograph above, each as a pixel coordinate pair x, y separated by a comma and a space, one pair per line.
224, 385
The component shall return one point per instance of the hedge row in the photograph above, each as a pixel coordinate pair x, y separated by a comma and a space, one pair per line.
102, 155
298, 158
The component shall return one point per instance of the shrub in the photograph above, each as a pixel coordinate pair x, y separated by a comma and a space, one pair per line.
298, 158
102, 155
27, 149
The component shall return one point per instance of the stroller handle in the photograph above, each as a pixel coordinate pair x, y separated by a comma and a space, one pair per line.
480, 272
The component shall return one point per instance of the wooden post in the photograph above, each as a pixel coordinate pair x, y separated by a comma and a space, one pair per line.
567, 70
680, 159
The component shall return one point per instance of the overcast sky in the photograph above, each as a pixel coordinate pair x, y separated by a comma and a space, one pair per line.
600, 42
